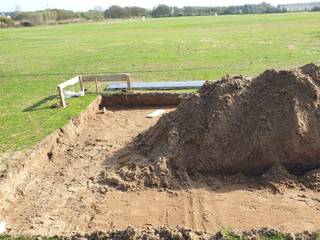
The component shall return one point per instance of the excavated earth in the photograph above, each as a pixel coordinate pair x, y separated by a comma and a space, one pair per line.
266, 125
181, 233
241, 154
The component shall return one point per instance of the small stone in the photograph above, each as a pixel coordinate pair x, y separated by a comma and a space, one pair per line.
218, 236
3, 171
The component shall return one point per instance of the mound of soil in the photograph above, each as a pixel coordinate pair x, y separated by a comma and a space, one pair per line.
235, 125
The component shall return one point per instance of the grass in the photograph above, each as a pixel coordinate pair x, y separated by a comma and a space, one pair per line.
229, 235
209, 47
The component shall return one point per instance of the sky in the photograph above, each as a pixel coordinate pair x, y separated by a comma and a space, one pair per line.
82, 5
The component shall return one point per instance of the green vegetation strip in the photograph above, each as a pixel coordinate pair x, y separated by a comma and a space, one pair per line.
210, 46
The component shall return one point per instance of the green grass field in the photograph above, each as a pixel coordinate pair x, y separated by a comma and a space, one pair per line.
245, 44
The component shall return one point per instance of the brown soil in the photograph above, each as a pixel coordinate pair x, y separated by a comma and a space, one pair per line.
143, 99
234, 126
73, 182
55, 192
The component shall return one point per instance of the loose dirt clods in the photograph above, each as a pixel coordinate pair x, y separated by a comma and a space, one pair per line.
181, 233
235, 125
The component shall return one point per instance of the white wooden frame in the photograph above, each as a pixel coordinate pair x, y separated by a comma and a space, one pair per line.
120, 77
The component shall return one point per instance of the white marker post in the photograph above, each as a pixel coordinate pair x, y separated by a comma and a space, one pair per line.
156, 113
3, 227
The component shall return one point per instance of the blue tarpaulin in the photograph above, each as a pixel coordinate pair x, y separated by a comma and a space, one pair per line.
157, 85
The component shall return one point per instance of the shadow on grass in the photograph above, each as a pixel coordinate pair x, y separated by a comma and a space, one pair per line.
37, 106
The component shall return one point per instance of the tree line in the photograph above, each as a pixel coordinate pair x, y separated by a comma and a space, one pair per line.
125, 12
49, 16
59, 16
168, 11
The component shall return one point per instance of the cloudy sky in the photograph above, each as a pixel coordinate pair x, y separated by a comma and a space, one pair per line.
9, 5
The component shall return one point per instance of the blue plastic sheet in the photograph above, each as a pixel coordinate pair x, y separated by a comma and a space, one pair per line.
157, 85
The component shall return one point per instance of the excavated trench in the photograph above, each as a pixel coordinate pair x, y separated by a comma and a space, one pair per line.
237, 125
241, 153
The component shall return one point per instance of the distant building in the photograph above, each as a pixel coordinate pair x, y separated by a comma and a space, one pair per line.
294, 7
6, 15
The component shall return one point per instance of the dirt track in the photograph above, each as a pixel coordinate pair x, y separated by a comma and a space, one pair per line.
59, 196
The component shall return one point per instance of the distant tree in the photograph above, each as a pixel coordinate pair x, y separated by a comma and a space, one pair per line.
115, 12
162, 11
177, 11
7, 21
188, 11
126, 12
91, 15
49, 16
137, 11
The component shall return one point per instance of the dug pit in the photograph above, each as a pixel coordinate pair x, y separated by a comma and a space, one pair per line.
106, 171
237, 125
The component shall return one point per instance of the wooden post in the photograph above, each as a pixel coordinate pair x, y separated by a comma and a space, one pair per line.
129, 82
97, 90
62, 98
81, 84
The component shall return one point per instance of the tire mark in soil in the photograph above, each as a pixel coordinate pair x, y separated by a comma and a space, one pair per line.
216, 214
165, 217
193, 210
196, 209
188, 218
202, 210
187, 207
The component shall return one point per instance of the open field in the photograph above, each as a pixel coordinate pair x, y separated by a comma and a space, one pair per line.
209, 47
241, 154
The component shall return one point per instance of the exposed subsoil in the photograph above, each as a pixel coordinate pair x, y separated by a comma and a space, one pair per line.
242, 154
131, 99
60, 196
266, 128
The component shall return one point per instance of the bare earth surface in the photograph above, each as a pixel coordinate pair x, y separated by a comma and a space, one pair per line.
60, 197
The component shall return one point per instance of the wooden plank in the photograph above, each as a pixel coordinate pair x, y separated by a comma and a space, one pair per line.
107, 78
72, 81
97, 89
62, 98
125, 77
81, 84
129, 83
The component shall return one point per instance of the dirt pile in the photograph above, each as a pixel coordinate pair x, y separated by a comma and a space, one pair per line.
235, 125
